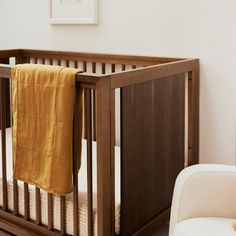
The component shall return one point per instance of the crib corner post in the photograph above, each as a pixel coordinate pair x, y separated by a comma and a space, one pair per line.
193, 115
105, 177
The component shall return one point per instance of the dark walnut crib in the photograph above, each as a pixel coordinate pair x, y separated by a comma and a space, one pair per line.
140, 129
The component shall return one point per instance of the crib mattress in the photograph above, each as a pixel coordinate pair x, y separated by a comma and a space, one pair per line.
82, 176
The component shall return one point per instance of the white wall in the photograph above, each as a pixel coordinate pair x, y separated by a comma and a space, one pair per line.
183, 28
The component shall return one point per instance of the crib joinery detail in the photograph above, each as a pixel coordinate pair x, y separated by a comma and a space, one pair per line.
103, 74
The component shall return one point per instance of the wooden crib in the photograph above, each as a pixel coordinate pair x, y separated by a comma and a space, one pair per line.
147, 105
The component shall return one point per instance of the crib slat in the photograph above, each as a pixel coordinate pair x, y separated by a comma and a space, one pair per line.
84, 70
15, 198
94, 67
63, 214
15, 186
3, 137
75, 168
50, 211
38, 206
113, 68
94, 114
89, 161
85, 66
26, 201
103, 68
113, 161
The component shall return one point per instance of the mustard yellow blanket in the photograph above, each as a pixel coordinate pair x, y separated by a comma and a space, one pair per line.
43, 106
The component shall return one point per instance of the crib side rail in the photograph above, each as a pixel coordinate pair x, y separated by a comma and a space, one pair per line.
152, 73
143, 82
149, 73
25, 221
104, 152
83, 80
5, 71
98, 57
11, 221
154, 110
105, 86
6, 54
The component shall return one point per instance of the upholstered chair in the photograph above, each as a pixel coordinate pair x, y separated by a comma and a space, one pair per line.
204, 201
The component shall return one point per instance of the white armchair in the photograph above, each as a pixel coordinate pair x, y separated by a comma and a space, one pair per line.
204, 201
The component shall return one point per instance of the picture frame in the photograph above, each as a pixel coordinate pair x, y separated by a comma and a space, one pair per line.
73, 12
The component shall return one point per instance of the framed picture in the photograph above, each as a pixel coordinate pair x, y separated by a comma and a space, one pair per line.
73, 11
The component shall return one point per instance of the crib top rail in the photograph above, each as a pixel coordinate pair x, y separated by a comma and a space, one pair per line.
90, 57
86, 81
5, 71
146, 68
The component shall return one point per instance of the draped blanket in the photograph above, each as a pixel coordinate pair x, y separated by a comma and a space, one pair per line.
43, 108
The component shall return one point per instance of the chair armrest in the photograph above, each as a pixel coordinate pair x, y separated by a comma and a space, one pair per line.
204, 191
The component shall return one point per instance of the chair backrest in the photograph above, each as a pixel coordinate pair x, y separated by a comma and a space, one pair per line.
204, 191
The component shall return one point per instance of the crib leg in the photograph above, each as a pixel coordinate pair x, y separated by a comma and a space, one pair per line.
193, 115
105, 174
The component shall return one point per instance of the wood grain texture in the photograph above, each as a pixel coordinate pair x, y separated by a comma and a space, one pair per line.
17, 225
26, 202
38, 205
9, 53
155, 224
5, 71
4, 233
98, 57
94, 108
193, 115
50, 211
152, 148
75, 168
15, 198
7, 93
89, 119
63, 214
140, 75
3, 141
113, 141
104, 173
152, 133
